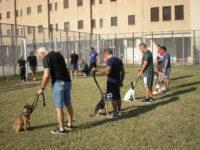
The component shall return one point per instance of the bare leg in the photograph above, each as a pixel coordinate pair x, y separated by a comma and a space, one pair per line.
71, 73
147, 93
150, 92
60, 117
167, 83
75, 74
69, 115
114, 104
119, 103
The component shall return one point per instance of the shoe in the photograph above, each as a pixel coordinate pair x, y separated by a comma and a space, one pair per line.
165, 90
57, 131
69, 127
119, 113
34, 79
113, 116
146, 101
151, 99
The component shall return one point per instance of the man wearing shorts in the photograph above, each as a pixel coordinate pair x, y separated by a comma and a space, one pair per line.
147, 71
115, 76
159, 62
33, 64
54, 65
73, 62
93, 59
166, 63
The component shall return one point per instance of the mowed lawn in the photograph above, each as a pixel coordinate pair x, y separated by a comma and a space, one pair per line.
172, 121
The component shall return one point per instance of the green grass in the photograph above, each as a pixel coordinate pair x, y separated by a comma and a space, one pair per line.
172, 121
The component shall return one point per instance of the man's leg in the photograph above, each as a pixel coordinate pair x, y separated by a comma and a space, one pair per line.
60, 117
71, 73
69, 115
115, 105
167, 83
147, 93
75, 74
119, 104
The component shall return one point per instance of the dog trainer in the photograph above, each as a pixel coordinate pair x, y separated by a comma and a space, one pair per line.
93, 59
54, 65
147, 71
115, 72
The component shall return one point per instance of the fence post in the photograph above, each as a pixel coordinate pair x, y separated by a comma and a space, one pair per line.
133, 49
172, 47
194, 48
2, 57
183, 48
162, 38
43, 37
25, 54
152, 43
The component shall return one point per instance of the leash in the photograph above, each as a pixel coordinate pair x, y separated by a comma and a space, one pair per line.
137, 80
36, 101
93, 74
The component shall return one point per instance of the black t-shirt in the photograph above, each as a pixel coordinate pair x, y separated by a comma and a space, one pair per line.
32, 60
74, 59
56, 63
21, 63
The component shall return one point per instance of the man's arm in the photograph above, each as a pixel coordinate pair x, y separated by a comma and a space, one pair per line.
70, 61
89, 60
143, 68
45, 80
106, 71
97, 59
166, 64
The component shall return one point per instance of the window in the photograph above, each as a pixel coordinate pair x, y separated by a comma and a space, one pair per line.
22, 31
179, 12
40, 29
154, 14
79, 2
113, 21
16, 13
65, 3
92, 2
113, 0
167, 13
80, 24
29, 30
39, 8
56, 6
131, 19
17, 31
8, 15
66, 25
51, 27
0, 16
130, 43
28, 10
21, 12
101, 23
50, 6
8, 32
100, 1
56, 27
93, 23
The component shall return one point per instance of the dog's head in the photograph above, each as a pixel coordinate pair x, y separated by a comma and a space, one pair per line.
133, 85
27, 108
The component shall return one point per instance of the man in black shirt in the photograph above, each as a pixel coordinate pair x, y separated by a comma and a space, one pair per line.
22, 69
33, 64
73, 62
54, 65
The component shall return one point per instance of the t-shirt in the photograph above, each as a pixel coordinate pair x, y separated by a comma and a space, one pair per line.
165, 57
93, 56
116, 67
32, 60
74, 59
84, 66
159, 56
147, 56
56, 63
21, 63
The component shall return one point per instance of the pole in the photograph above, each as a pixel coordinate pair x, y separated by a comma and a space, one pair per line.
133, 49
25, 54
183, 40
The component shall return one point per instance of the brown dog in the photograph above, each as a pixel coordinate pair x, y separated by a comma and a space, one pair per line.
23, 120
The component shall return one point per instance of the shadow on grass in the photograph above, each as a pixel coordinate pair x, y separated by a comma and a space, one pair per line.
181, 77
42, 126
186, 85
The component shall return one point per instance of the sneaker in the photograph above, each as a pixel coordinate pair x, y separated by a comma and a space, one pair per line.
146, 101
69, 127
57, 131
34, 79
165, 90
119, 113
113, 116
151, 99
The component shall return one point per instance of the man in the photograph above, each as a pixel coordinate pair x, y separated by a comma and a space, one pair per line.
93, 59
147, 71
159, 62
54, 65
115, 76
33, 64
73, 62
84, 68
166, 63
22, 68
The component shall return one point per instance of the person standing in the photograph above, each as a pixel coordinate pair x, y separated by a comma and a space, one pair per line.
22, 69
166, 64
93, 59
115, 76
73, 62
147, 71
159, 62
33, 64
55, 66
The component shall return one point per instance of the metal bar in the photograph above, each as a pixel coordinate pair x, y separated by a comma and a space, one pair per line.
183, 44
133, 49
25, 55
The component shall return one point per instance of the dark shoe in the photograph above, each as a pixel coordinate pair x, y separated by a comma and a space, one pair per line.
151, 99
146, 101
113, 116
69, 127
57, 131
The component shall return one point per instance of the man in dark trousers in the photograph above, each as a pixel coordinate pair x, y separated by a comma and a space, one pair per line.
115, 72
73, 62
22, 68
93, 59
54, 65
33, 64
147, 71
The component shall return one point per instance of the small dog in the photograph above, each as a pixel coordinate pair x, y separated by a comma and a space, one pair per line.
130, 95
158, 89
23, 120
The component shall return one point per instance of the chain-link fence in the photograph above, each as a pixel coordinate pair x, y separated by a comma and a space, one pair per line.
183, 46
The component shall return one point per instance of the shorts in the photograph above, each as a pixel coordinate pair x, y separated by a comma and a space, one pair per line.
166, 75
113, 91
62, 93
160, 67
33, 68
148, 80
73, 67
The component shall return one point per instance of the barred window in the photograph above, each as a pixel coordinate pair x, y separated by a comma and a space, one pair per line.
29, 30
56, 6
113, 0
66, 25
93, 23
65, 3
113, 21
8, 15
80, 24
28, 10
154, 14
21, 12
39, 8
79, 2
131, 19
56, 27
17, 32
40, 29
101, 23
8, 32
50, 6
16, 13
167, 13
92, 2
130, 42
100, 1
51, 27
179, 12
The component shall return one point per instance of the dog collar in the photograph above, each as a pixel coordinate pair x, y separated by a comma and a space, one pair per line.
26, 114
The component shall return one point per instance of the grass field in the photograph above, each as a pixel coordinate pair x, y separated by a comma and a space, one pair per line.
172, 121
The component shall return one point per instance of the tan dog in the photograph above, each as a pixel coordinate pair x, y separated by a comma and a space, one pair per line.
23, 120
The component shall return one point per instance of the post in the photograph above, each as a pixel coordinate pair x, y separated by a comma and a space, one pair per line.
133, 49
162, 37
183, 40
25, 55
172, 47
152, 43
194, 49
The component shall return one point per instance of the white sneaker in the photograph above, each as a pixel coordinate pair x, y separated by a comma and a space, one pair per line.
119, 113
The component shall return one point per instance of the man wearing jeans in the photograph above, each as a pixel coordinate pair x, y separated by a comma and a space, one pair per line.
54, 65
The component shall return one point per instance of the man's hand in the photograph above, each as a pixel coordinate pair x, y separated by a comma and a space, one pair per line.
94, 69
164, 71
140, 74
121, 83
40, 91
138, 69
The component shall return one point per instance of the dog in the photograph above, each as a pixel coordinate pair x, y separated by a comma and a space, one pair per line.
158, 89
130, 95
23, 120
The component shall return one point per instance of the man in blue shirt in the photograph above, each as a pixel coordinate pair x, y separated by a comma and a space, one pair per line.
115, 76
166, 63
93, 59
